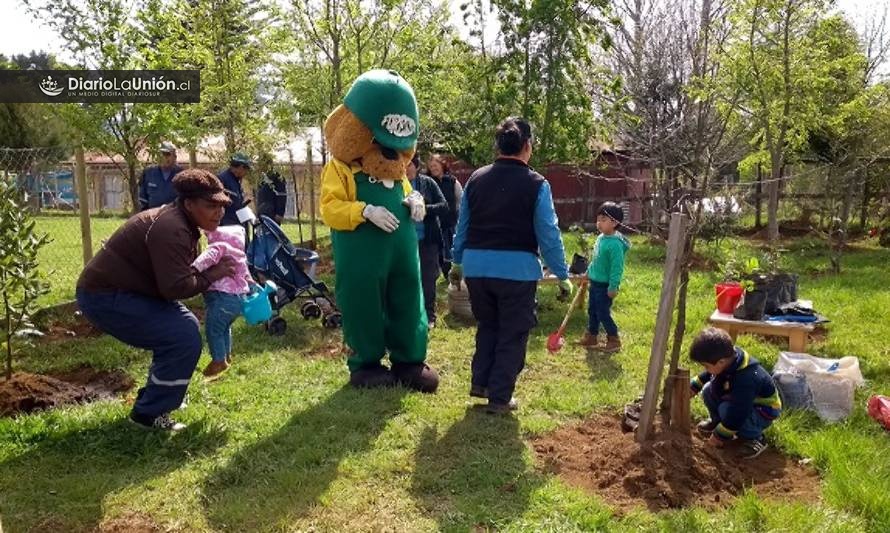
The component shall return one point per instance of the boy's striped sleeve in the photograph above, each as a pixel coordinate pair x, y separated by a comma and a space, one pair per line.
698, 382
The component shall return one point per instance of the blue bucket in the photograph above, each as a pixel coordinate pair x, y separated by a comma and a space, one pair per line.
256, 306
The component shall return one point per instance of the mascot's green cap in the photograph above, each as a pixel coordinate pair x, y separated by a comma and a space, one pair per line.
385, 103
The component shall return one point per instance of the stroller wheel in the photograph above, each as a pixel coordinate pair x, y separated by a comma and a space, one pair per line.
310, 310
332, 321
277, 326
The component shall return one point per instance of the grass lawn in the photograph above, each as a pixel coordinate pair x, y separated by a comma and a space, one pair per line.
280, 444
62, 259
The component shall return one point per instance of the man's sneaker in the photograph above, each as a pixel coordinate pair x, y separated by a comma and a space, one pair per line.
706, 427
752, 448
162, 422
502, 408
477, 391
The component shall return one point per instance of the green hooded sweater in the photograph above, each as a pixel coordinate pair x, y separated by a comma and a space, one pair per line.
607, 264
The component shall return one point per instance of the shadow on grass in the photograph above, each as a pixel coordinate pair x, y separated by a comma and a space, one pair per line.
602, 366
475, 475
282, 477
60, 484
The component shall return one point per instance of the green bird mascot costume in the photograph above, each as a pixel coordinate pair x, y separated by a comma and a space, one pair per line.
368, 202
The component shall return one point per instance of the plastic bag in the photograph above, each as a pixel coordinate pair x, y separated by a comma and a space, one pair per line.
831, 383
879, 409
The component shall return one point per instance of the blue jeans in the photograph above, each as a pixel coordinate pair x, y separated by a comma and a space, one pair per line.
753, 426
166, 328
599, 310
221, 309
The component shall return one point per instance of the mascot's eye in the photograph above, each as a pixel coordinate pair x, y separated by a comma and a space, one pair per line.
388, 153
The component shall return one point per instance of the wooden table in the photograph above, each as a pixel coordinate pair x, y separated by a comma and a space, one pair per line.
796, 332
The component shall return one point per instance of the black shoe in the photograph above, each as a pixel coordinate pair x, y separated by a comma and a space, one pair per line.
372, 377
417, 376
477, 391
706, 427
752, 448
502, 408
162, 422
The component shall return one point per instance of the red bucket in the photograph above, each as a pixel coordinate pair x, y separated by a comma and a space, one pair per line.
728, 296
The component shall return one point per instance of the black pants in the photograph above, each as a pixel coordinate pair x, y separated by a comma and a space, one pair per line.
429, 273
505, 311
445, 251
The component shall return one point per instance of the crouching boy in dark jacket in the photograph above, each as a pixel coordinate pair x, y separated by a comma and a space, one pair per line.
739, 393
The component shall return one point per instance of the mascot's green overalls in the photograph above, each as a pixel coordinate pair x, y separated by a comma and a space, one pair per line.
378, 287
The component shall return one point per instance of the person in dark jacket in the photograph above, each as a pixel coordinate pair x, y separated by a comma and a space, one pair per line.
439, 170
739, 393
506, 218
429, 235
239, 166
271, 195
156, 183
131, 288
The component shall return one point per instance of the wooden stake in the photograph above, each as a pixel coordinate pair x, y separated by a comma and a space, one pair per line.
680, 392
676, 239
312, 216
83, 199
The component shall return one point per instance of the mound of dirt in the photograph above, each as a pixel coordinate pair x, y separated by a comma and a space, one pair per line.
25, 393
669, 472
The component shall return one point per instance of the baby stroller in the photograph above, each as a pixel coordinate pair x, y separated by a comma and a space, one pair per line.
271, 256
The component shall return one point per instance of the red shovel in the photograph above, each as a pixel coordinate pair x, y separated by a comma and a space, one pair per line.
555, 341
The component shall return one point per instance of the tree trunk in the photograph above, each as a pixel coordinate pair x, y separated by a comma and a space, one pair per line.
8, 326
772, 208
193, 157
758, 201
866, 196
680, 326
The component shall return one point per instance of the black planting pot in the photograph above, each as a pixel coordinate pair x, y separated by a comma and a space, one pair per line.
752, 305
579, 264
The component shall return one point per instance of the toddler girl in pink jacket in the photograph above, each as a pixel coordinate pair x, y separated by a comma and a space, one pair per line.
222, 301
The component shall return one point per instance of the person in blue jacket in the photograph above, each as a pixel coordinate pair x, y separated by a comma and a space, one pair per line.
156, 184
239, 166
506, 217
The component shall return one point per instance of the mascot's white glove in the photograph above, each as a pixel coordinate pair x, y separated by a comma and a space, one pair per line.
415, 203
381, 217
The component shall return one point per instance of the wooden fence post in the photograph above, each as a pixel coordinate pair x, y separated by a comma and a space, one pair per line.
676, 240
83, 199
680, 393
312, 212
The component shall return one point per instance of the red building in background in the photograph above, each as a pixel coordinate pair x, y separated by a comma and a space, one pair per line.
579, 190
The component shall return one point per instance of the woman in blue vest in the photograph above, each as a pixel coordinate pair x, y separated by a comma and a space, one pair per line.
506, 219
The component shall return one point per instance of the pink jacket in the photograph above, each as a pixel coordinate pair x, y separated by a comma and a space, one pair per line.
226, 241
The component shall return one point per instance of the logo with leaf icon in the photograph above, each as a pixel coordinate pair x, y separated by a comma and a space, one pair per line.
49, 87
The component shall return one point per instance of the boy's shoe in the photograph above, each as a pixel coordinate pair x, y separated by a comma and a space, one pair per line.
215, 368
589, 340
502, 408
706, 427
752, 448
477, 391
613, 344
162, 422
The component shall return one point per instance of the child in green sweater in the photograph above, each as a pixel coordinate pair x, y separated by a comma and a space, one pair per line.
605, 273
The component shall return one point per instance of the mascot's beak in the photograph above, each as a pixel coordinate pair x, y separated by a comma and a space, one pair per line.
388, 153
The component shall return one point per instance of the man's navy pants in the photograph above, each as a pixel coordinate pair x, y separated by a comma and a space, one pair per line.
166, 328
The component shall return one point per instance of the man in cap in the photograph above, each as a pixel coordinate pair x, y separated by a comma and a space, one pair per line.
239, 166
156, 183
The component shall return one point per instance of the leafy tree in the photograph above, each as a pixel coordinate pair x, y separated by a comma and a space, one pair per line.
20, 282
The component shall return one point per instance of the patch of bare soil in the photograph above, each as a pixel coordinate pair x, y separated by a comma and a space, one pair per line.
26, 393
670, 472
65, 328
129, 523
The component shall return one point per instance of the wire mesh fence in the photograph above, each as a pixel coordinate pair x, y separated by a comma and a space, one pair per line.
49, 190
